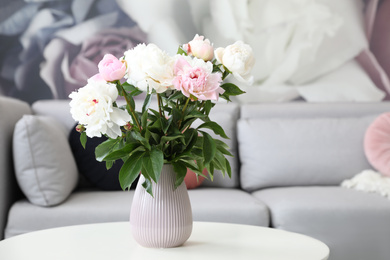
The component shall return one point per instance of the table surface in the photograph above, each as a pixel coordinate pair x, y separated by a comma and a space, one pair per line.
208, 241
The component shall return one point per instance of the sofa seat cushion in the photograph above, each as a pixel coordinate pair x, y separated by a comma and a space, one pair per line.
354, 224
84, 207
229, 206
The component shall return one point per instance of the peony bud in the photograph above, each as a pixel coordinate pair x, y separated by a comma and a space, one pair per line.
80, 128
200, 48
128, 126
111, 69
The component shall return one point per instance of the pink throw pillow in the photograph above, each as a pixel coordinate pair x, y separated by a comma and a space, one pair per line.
377, 144
191, 181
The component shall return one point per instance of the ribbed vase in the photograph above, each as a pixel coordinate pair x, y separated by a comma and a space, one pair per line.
164, 220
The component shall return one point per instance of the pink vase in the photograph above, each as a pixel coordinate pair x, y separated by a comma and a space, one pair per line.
164, 220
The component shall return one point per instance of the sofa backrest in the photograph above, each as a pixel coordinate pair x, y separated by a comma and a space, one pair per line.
299, 143
11, 110
225, 114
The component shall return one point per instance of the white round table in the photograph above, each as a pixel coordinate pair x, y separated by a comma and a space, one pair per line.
112, 241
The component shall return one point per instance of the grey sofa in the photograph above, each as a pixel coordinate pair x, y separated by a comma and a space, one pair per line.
290, 159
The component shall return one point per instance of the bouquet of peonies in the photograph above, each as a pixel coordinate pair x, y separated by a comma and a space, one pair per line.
185, 87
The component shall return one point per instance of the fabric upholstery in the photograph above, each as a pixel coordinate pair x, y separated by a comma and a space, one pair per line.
44, 165
313, 110
11, 110
92, 206
354, 224
288, 152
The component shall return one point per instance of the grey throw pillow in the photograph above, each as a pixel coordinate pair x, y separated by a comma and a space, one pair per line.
44, 165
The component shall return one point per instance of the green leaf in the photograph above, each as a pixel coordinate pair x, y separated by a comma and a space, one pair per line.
209, 148
181, 171
165, 124
224, 151
147, 101
220, 161
130, 170
176, 114
105, 148
83, 139
180, 51
216, 128
231, 90
131, 89
222, 147
176, 95
208, 106
191, 136
165, 139
210, 170
109, 164
153, 162
124, 151
147, 184
144, 119
137, 136
194, 114
228, 168
156, 113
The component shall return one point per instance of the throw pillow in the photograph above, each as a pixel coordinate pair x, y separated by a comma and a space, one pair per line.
276, 152
44, 164
95, 172
377, 144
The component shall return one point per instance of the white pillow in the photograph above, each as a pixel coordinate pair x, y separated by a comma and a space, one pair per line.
44, 165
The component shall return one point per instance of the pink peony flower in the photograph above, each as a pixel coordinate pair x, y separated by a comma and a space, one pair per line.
111, 69
200, 48
194, 78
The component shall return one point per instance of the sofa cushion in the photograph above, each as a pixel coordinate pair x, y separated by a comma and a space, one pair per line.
301, 151
83, 207
44, 165
228, 206
355, 225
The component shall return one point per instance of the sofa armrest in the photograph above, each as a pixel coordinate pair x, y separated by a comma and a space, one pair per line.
11, 110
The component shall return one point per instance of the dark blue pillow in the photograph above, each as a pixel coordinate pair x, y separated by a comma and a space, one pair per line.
95, 172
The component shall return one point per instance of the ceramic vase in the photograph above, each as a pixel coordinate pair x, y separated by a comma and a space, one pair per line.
164, 220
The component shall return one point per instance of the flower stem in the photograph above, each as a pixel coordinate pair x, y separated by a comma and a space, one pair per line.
185, 106
182, 113
159, 105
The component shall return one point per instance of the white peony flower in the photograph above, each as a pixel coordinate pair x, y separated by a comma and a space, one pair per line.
149, 66
92, 106
239, 59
